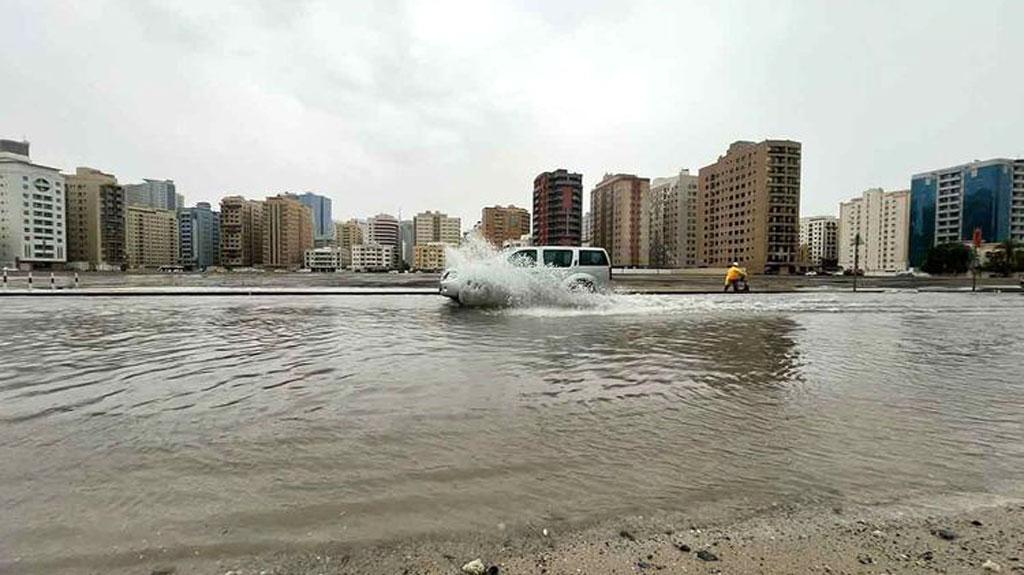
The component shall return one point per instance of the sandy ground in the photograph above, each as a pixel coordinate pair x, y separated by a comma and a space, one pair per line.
978, 534
833, 541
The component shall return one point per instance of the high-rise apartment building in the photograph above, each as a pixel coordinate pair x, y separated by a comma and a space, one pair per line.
241, 232
882, 219
500, 224
113, 232
287, 231
348, 234
95, 220
199, 236
32, 224
558, 209
748, 207
151, 237
436, 227
384, 229
158, 194
949, 204
819, 240
323, 224
620, 211
588, 229
673, 228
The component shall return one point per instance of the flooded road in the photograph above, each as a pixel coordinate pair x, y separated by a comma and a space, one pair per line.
224, 425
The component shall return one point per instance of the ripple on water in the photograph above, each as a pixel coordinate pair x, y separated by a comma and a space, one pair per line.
405, 415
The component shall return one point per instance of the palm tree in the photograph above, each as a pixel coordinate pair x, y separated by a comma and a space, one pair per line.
1006, 258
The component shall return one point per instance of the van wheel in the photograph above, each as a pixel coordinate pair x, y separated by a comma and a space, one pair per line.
582, 286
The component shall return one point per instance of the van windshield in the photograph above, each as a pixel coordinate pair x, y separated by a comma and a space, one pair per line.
558, 258
593, 258
523, 258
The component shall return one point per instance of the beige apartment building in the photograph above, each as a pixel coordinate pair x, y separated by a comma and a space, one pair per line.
348, 234
429, 256
620, 219
287, 231
673, 227
151, 237
436, 227
500, 224
748, 207
95, 220
241, 232
883, 221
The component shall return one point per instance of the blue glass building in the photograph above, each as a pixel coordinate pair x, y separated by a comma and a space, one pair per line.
199, 236
948, 205
323, 224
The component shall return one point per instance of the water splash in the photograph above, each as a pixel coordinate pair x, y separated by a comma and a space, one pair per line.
490, 279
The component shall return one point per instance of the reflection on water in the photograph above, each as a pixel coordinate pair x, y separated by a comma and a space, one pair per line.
133, 424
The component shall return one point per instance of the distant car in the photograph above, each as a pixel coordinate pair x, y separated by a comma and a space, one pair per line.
905, 274
811, 273
579, 269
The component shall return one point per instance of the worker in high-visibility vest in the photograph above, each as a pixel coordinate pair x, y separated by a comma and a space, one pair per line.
734, 276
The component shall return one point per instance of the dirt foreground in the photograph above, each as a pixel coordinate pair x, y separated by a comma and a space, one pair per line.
948, 536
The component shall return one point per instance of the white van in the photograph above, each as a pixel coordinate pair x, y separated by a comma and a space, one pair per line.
581, 269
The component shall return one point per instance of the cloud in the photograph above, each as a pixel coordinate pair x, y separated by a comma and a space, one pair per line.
454, 105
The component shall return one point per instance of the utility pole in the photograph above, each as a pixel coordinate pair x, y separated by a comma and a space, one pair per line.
976, 241
856, 259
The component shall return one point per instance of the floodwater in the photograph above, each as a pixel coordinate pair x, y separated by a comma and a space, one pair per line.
233, 424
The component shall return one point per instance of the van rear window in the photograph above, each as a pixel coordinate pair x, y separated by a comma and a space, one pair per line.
593, 258
558, 258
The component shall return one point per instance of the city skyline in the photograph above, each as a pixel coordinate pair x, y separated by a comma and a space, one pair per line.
400, 120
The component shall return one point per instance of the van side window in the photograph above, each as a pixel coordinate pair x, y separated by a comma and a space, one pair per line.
593, 258
523, 258
558, 258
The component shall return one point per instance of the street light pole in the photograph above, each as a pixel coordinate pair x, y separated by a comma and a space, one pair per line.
976, 241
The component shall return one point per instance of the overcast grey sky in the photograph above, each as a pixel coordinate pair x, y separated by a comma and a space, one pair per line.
439, 104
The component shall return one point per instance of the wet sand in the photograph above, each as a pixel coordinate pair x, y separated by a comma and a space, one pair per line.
957, 534
780, 540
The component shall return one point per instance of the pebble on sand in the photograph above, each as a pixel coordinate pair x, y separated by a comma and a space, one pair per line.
991, 566
705, 555
474, 567
947, 534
